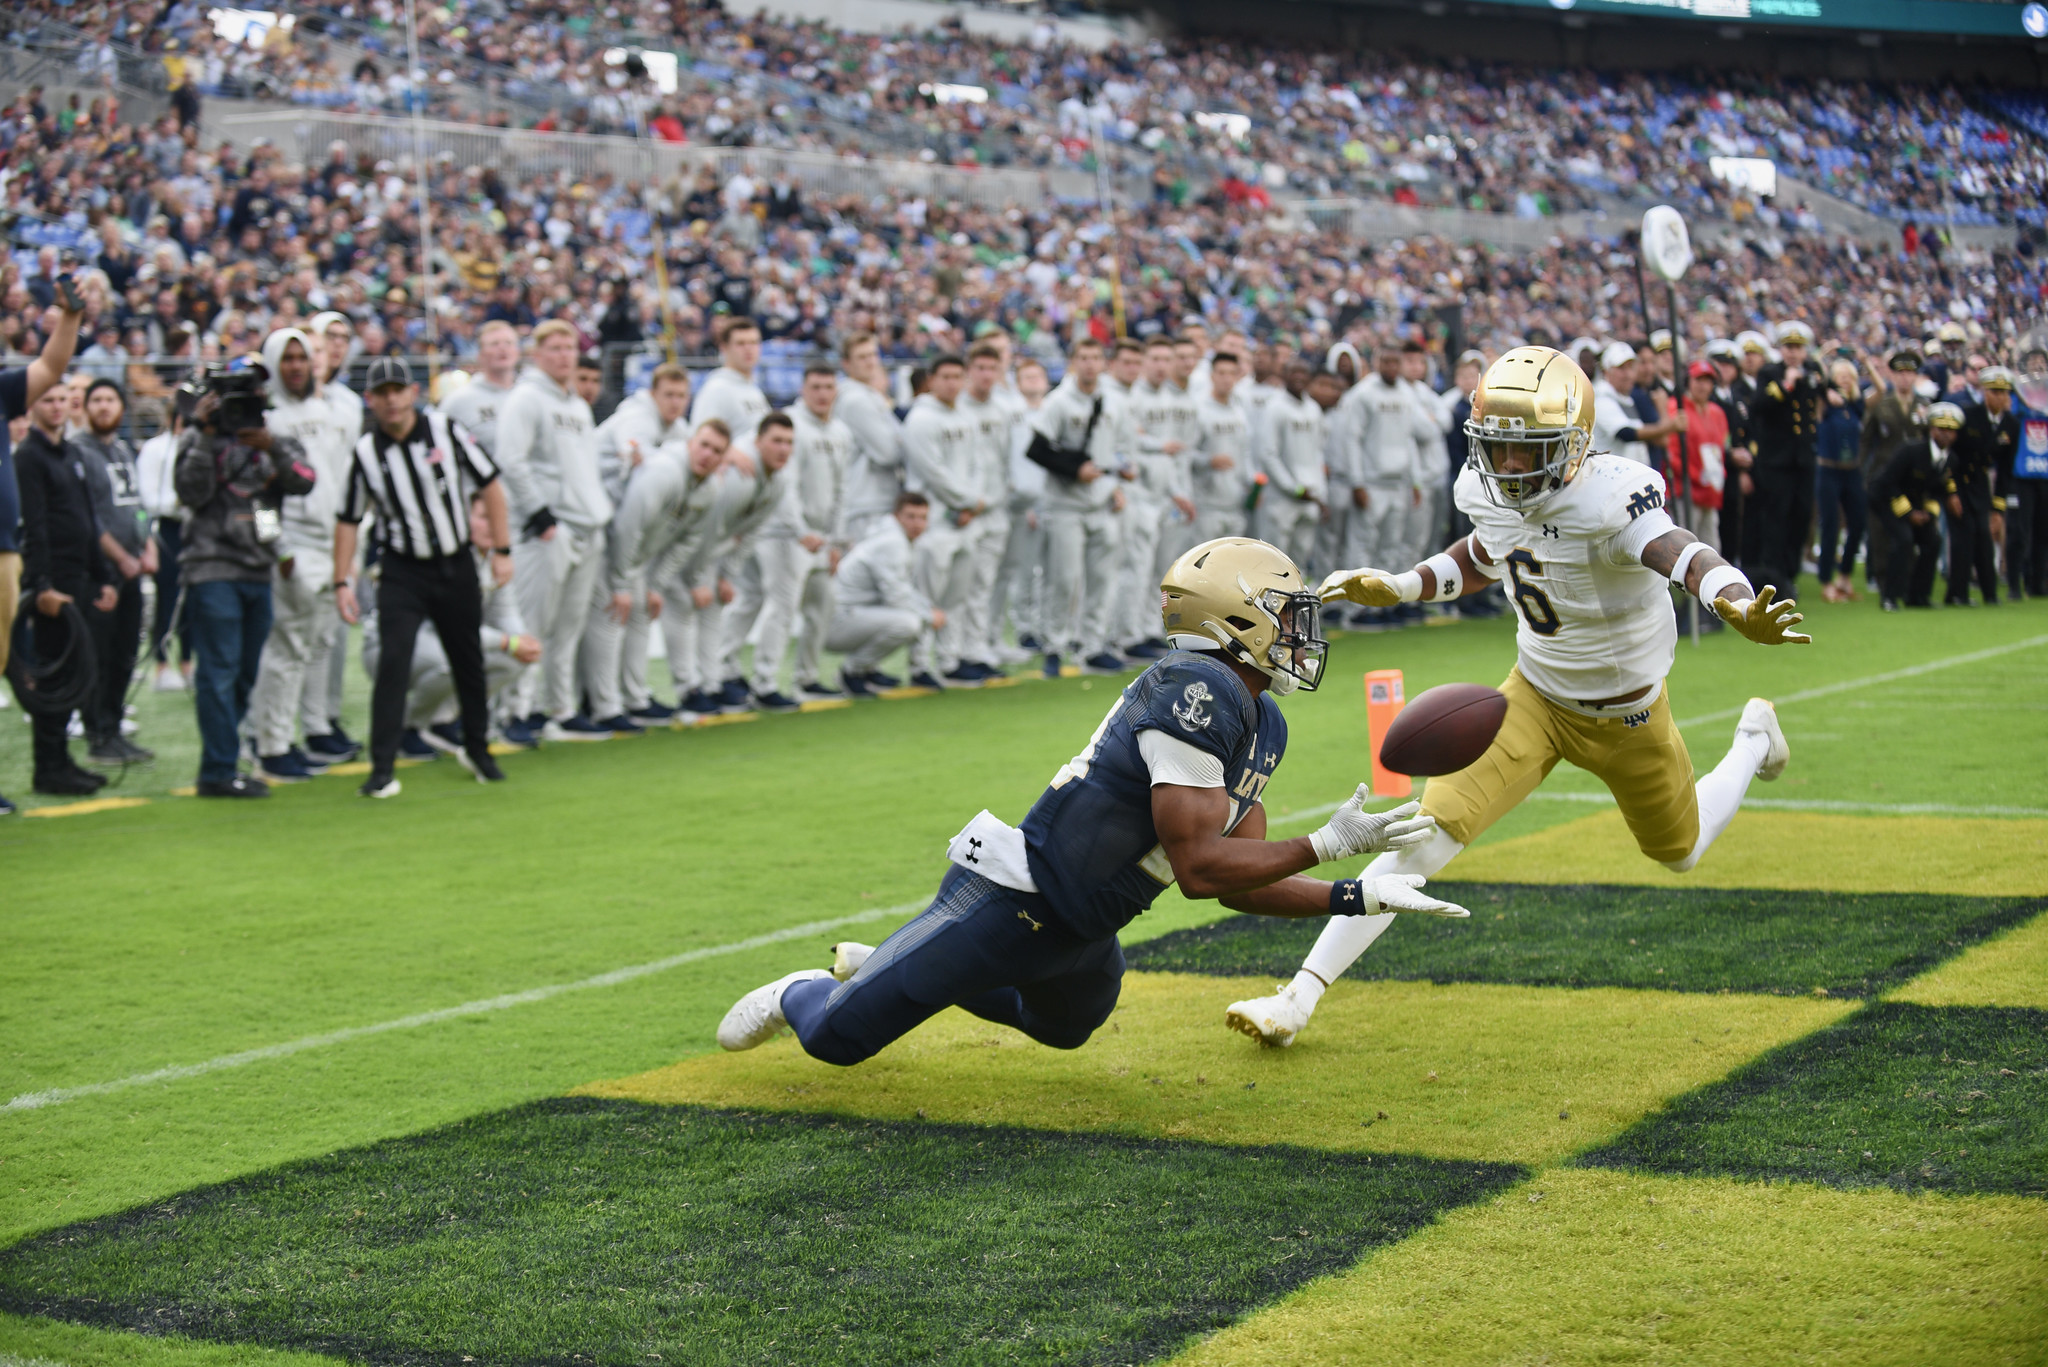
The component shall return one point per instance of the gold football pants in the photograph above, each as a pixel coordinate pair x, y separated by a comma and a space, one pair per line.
1645, 766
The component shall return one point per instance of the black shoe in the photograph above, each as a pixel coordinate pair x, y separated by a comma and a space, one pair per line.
331, 748
7, 808
412, 745
1149, 649
312, 762
241, 785
877, 679
481, 765
698, 703
622, 725
120, 750
283, 768
855, 685
1052, 665
963, 676
521, 733
1030, 643
653, 714
69, 783
776, 701
1102, 662
982, 670
334, 730
817, 692
923, 679
735, 696
380, 785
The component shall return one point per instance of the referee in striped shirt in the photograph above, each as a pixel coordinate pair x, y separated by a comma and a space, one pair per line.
415, 470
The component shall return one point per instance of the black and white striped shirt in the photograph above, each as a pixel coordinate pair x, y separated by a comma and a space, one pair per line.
419, 488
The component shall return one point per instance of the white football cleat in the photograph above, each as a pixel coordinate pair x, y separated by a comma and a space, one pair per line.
757, 1017
847, 957
1273, 1021
1760, 717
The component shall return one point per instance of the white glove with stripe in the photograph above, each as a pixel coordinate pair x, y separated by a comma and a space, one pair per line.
1353, 830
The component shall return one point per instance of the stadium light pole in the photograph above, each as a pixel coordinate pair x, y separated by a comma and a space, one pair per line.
1667, 248
422, 199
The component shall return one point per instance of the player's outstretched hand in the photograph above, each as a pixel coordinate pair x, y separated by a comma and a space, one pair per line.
1403, 892
1368, 587
1353, 830
1763, 621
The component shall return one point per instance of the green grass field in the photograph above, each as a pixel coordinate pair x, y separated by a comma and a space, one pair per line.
201, 1002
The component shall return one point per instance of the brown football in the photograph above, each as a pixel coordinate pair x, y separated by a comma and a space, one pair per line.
1443, 730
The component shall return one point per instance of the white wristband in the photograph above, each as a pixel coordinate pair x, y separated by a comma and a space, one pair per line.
1450, 580
1684, 562
1720, 577
1408, 583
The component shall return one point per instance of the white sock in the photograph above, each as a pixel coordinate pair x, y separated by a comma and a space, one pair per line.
1721, 792
1347, 937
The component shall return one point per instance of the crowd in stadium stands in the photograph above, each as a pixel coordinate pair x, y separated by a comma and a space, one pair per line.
187, 253
1514, 140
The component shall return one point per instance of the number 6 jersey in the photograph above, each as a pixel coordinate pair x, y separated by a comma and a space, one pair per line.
1593, 623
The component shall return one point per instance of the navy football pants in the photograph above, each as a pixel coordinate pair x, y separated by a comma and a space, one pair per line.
992, 952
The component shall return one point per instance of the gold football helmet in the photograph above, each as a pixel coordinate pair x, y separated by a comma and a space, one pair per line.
1531, 425
1248, 598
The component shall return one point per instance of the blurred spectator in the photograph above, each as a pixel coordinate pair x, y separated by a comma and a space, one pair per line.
156, 474
1703, 475
1907, 495
1839, 470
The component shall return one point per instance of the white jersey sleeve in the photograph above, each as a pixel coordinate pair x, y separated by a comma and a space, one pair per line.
1592, 623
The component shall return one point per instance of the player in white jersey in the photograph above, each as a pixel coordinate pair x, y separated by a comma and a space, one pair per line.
1221, 477
1588, 552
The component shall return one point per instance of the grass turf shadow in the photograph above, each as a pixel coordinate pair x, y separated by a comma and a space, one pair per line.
1671, 939
1917, 1098
618, 1230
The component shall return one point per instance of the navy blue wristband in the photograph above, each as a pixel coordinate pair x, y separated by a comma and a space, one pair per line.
1348, 898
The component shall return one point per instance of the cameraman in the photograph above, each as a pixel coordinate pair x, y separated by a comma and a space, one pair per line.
234, 474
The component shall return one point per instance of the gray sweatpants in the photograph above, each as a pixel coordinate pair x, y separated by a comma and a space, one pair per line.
1019, 589
796, 594
555, 580
291, 681
1379, 531
604, 641
1292, 525
868, 635
1080, 579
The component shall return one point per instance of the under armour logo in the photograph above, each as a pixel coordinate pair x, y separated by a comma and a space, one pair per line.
1550, 531
1026, 916
1271, 759
974, 844
1350, 891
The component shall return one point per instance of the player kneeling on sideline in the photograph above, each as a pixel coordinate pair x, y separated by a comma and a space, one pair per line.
1586, 547
1023, 930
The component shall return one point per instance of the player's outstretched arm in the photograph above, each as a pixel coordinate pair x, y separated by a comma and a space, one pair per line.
1684, 559
1460, 569
1247, 872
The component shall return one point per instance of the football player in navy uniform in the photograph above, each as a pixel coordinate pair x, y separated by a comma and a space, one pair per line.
1023, 931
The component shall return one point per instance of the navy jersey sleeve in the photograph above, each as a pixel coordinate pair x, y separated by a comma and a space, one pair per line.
1196, 700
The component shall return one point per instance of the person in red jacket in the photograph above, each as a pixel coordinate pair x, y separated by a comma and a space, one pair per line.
1702, 474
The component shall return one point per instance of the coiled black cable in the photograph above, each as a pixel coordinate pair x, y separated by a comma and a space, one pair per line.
60, 686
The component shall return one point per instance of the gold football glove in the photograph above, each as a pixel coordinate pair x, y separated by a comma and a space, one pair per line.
1763, 621
1369, 588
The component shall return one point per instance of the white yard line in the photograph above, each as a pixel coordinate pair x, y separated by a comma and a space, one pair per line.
1869, 681
30, 1101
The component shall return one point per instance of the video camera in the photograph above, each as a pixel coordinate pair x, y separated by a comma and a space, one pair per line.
243, 390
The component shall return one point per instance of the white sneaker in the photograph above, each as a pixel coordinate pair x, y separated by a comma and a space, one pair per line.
757, 1017
847, 957
1760, 717
1273, 1021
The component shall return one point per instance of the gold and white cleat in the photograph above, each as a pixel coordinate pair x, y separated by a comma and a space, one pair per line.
847, 957
1760, 716
1273, 1021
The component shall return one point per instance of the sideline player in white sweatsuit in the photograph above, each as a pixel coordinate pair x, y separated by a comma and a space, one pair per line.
547, 453
663, 525
477, 404
992, 415
1387, 429
290, 683
615, 639
1221, 477
755, 489
798, 551
1020, 588
1079, 418
942, 462
876, 475
880, 609
334, 338
1164, 430
1291, 455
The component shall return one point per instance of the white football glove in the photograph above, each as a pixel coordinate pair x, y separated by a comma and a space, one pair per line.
1400, 892
1353, 830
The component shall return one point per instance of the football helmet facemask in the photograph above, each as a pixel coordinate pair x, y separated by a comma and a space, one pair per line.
1248, 599
1531, 427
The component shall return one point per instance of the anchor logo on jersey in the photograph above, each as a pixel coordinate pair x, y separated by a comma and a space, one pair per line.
1188, 712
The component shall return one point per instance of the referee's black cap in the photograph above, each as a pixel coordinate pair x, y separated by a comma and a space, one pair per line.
387, 370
